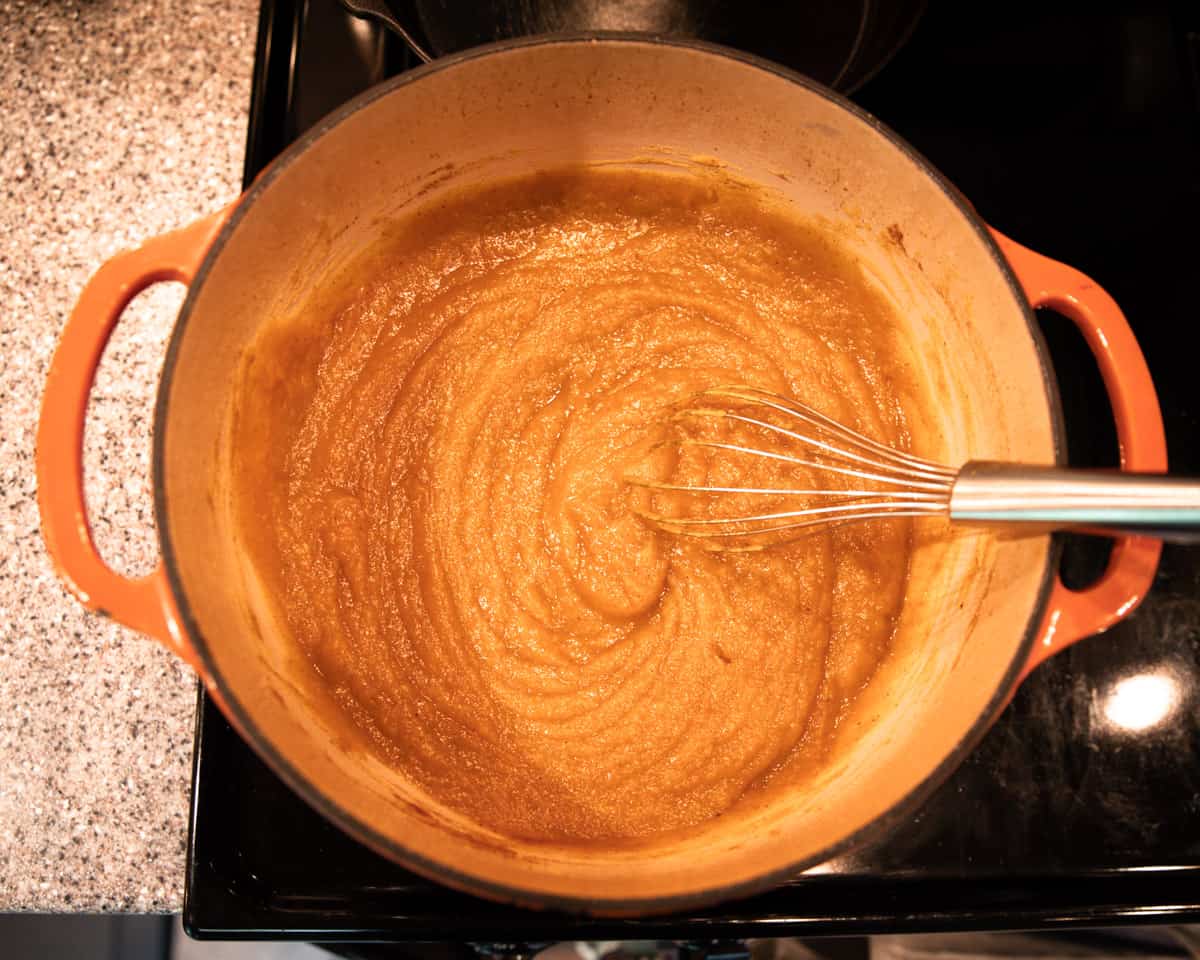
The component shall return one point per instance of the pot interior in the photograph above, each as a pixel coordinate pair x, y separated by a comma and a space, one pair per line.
973, 601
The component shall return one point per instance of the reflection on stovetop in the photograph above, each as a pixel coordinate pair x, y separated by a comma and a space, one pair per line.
1075, 130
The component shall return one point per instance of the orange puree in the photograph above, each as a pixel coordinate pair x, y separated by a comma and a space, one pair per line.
437, 500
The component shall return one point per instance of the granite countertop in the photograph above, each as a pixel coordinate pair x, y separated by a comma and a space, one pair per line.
120, 120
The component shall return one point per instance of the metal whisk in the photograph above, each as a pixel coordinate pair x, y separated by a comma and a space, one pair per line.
868, 480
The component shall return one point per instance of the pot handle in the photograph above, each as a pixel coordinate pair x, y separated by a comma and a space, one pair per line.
143, 603
1073, 614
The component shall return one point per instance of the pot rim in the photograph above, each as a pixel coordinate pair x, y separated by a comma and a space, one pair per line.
447, 873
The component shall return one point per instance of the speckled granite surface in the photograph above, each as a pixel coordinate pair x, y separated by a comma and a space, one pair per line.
119, 119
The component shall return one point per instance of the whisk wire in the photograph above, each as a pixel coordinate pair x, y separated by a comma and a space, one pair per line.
935, 498
904, 481
803, 519
838, 510
814, 418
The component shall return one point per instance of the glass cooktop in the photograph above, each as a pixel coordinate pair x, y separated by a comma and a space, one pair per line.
1074, 129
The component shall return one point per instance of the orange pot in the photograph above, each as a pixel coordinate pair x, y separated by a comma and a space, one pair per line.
982, 611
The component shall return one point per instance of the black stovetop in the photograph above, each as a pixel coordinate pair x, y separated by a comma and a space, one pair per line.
1077, 132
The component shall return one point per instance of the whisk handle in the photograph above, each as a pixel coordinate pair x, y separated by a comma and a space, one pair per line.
1095, 501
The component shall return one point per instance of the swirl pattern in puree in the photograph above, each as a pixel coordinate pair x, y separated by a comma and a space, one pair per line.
439, 454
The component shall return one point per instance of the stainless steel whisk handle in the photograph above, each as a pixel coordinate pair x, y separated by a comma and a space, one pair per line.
1103, 501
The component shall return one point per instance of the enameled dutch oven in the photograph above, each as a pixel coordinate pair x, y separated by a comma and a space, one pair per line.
981, 612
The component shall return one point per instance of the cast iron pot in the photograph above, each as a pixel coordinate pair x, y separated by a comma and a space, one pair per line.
982, 610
